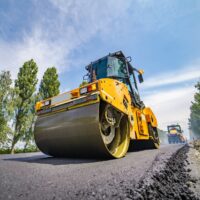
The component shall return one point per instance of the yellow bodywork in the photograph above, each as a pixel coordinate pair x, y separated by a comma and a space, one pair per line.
115, 93
173, 131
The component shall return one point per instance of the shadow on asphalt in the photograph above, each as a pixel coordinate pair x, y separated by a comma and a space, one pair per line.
52, 161
44, 159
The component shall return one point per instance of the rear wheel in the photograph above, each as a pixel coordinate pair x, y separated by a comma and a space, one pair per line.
169, 140
154, 137
114, 129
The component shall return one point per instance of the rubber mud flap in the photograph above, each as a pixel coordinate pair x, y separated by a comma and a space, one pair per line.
71, 133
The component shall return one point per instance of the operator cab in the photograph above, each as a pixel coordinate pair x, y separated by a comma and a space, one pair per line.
176, 127
117, 66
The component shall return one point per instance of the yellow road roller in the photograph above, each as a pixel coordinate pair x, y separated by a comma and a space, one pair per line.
175, 134
103, 118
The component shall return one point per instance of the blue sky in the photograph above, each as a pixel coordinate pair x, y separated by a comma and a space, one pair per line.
162, 37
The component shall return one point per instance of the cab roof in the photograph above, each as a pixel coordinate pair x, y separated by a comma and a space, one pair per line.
117, 54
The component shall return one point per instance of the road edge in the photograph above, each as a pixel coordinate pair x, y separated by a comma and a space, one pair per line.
170, 182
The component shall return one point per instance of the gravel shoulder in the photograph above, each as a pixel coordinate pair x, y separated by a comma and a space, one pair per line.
140, 175
194, 167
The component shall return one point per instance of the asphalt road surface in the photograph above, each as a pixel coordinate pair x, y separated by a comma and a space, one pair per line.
37, 176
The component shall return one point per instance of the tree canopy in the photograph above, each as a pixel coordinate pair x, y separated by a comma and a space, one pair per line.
83, 83
194, 120
5, 84
50, 84
17, 103
25, 86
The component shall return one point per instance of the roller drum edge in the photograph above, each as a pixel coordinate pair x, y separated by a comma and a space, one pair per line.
72, 133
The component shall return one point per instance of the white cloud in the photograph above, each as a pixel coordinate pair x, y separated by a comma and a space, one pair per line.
55, 35
188, 73
13, 55
171, 106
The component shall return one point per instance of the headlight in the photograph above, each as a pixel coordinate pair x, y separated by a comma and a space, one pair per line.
88, 88
40, 104
46, 103
83, 90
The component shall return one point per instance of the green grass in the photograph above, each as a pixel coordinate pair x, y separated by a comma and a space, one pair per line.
28, 150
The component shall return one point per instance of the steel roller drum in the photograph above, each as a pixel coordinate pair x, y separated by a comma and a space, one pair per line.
71, 133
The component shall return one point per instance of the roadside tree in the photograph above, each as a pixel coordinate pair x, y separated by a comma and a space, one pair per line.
194, 121
50, 84
25, 87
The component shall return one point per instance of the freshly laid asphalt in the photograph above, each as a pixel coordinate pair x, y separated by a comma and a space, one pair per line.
37, 176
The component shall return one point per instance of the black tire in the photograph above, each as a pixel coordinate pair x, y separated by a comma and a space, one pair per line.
169, 140
154, 137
